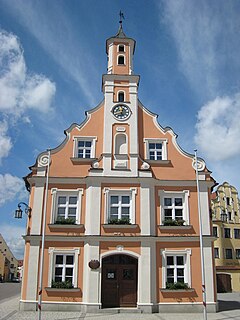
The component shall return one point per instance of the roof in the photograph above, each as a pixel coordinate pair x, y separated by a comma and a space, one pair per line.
120, 33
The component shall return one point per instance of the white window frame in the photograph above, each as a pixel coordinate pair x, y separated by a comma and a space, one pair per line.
51, 269
124, 61
120, 192
66, 192
176, 194
164, 142
230, 233
187, 264
86, 138
236, 253
121, 45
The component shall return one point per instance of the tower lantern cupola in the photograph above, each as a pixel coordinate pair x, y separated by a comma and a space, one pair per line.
120, 51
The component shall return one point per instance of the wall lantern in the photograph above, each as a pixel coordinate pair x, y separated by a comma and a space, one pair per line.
19, 211
94, 264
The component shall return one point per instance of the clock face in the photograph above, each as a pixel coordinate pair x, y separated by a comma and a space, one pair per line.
121, 112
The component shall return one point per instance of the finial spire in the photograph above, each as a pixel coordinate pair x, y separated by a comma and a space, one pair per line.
121, 16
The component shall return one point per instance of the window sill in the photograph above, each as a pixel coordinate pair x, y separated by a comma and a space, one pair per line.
67, 227
120, 226
159, 162
49, 289
81, 160
176, 290
184, 227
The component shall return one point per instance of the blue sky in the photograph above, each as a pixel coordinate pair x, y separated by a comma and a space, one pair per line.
52, 57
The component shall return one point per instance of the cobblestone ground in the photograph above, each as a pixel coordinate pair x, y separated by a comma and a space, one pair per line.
9, 311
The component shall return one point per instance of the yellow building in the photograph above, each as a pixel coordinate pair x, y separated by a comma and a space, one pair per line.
8, 263
226, 228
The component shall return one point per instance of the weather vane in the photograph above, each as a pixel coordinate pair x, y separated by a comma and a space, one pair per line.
121, 17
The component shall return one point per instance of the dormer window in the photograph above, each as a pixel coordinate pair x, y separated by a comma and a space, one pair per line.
121, 48
121, 96
121, 60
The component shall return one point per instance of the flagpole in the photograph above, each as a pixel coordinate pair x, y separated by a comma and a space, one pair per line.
201, 242
43, 241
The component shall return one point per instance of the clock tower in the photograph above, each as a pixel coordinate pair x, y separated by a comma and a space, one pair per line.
120, 88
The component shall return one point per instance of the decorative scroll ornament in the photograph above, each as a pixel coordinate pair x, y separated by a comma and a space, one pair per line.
145, 166
95, 165
200, 164
43, 160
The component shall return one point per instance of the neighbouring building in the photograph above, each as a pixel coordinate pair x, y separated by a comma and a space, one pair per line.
122, 224
226, 228
8, 263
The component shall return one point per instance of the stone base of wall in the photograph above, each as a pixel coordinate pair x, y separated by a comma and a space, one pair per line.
96, 308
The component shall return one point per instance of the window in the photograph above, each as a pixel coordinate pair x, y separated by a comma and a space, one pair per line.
121, 96
66, 204
119, 207
121, 48
228, 201
216, 253
176, 267
228, 253
121, 60
174, 206
120, 204
237, 233
237, 253
84, 147
63, 266
67, 207
223, 217
156, 149
229, 216
215, 231
227, 233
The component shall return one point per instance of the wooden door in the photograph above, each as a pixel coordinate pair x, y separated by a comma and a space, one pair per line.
224, 282
119, 281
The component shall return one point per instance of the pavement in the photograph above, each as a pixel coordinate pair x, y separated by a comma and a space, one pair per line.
229, 309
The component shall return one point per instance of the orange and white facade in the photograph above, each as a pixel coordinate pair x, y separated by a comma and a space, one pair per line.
119, 166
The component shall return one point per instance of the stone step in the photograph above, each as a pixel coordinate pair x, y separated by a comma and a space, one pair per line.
120, 310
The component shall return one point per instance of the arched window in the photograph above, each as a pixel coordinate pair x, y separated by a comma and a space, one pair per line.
121, 60
121, 144
120, 96
121, 48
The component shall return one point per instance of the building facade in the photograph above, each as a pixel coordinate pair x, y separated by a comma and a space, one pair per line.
226, 228
8, 263
122, 224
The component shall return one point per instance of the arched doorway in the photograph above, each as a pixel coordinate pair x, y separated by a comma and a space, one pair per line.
224, 282
119, 281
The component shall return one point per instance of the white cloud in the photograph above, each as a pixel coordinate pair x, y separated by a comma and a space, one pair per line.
218, 128
20, 90
13, 237
205, 36
55, 31
5, 141
11, 187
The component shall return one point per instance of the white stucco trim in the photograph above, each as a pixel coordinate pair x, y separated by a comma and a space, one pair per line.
55, 192
186, 253
185, 196
131, 191
32, 277
37, 208
52, 252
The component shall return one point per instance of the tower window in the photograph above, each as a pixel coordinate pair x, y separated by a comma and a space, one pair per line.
120, 96
121, 48
121, 60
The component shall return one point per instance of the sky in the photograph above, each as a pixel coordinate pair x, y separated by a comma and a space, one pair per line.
52, 57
